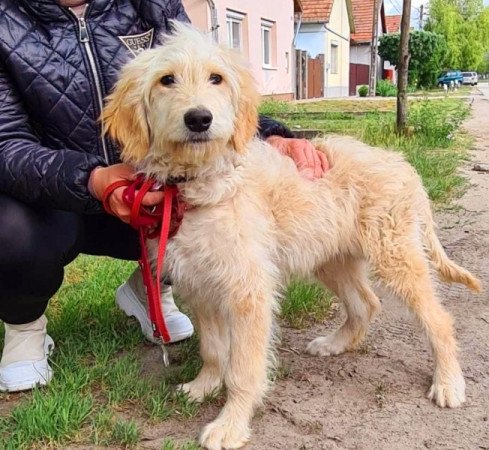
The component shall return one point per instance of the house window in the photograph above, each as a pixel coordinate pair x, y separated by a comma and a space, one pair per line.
234, 22
334, 58
267, 43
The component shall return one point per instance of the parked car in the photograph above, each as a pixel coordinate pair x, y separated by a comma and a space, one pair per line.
470, 78
450, 77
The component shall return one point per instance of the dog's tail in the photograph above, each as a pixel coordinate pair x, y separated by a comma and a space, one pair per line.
448, 270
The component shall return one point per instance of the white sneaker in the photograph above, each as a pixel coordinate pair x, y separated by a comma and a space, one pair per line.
131, 298
24, 363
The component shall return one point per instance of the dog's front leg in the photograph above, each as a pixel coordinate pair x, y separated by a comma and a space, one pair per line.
250, 328
214, 350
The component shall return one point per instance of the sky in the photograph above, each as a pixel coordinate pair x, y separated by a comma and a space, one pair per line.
395, 7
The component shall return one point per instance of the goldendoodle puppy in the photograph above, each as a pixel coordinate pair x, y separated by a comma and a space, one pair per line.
189, 109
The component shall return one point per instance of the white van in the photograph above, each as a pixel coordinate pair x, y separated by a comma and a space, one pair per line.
470, 78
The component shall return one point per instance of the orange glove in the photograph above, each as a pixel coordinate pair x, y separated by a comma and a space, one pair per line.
311, 163
102, 177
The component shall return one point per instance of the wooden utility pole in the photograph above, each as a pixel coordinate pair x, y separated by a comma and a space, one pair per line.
402, 82
372, 82
421, 16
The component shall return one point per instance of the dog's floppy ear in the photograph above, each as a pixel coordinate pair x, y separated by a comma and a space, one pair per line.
124, 116
246, 123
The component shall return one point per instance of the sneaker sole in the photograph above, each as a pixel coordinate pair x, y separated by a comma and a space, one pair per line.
27, 386
42, 378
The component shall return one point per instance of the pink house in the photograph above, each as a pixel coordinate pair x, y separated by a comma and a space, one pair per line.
261, 29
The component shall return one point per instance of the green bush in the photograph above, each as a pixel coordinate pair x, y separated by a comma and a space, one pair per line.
436, 123
363, 91
428, 53
385, 89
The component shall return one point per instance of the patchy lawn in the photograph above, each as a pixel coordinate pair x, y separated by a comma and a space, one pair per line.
109, 386
436, 92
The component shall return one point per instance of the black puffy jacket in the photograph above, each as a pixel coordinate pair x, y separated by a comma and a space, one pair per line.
55, 70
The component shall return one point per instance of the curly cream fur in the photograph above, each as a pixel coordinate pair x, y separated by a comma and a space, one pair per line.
256, 222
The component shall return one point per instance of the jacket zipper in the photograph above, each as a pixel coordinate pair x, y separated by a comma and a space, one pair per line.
84, 38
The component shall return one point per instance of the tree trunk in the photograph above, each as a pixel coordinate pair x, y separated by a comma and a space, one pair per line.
402, 82
372, 82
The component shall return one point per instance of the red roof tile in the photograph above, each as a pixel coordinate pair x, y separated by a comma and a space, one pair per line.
393, 23
316, 10
363, 15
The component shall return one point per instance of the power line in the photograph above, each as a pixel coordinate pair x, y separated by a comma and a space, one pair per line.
396, 6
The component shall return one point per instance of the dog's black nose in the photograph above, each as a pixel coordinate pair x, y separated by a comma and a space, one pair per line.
198, 120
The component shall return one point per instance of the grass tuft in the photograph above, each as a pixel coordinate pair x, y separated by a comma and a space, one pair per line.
305, 303
125, 433
170, 444
55, 414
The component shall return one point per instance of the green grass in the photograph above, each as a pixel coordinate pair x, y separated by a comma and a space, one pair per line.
109, 385
436, 92
169, 444
305, 303
98, 370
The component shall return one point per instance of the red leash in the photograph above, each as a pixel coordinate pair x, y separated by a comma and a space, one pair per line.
150, 225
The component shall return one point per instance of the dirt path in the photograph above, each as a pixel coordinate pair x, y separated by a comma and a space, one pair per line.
375, 398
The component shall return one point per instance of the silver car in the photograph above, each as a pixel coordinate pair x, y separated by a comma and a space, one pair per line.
470, 78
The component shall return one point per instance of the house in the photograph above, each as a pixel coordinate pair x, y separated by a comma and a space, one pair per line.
324, 34
361, 40
263, 32
393, 23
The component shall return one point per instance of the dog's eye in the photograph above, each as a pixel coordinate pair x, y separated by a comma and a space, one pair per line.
167, 80
215, 78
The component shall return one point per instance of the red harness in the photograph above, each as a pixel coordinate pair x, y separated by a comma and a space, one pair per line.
162, 221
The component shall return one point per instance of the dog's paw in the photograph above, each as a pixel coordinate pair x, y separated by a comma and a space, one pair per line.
198, 390
448, 394
326, 346
222, 434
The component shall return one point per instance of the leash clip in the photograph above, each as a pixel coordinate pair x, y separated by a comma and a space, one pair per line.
164, 354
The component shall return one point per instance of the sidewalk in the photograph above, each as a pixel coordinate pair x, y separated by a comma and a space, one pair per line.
483, 87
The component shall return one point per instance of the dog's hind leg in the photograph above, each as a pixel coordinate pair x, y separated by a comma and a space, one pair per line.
214, 350
349, 281
250, 328
401, 264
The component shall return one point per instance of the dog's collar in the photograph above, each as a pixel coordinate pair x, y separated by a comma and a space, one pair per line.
171, 180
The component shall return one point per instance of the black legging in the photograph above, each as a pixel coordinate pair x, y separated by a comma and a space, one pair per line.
35, 246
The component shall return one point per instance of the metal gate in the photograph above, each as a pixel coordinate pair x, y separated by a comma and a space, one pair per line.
359, 75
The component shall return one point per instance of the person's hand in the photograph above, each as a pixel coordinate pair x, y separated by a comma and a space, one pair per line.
311, 163
102, 177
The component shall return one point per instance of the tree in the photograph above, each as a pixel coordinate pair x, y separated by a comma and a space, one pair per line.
483, 26
464, 24
428, 52
403, 65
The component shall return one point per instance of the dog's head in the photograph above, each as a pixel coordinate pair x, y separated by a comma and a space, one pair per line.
184, 102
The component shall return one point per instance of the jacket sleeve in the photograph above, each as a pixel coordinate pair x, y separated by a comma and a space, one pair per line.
36, 174
178, 12
270, 127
